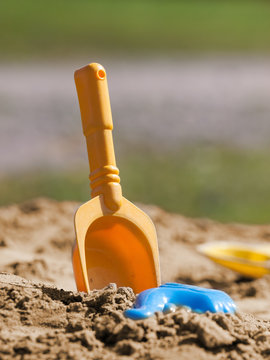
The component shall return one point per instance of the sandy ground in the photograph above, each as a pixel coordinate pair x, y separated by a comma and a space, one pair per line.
157, 103
42, 316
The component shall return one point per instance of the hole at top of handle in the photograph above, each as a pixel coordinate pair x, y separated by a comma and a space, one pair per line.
101, 74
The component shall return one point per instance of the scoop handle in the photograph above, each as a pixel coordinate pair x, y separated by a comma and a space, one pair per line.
93, 94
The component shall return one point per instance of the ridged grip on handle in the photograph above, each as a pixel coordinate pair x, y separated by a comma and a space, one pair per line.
93, 94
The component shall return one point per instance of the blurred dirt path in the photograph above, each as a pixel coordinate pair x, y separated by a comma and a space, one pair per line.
158, 103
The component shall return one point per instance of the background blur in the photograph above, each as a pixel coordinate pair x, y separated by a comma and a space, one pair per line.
190, 92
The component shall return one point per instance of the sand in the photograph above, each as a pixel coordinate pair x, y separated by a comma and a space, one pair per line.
42, 316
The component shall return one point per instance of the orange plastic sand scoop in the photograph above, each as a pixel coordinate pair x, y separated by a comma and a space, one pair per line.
115, 241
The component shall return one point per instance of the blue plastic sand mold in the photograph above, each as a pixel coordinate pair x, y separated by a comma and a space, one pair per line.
169, 296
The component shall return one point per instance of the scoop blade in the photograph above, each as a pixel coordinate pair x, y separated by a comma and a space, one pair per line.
119, 247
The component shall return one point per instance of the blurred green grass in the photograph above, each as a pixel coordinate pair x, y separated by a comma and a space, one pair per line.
67, 28
219, 183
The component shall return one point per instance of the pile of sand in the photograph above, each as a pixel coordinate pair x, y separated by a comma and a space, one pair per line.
38, 319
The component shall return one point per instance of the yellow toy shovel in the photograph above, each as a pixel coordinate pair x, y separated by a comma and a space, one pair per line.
246, 259
115, 241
